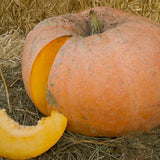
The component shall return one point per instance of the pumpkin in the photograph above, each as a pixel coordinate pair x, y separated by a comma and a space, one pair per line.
24, 142
106, 84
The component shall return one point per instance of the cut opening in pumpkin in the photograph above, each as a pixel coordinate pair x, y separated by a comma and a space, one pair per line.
40, 72
24, 142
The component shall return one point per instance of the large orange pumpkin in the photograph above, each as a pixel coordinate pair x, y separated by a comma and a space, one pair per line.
107, 84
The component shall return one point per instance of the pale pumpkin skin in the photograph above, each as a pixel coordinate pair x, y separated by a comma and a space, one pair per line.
106, 84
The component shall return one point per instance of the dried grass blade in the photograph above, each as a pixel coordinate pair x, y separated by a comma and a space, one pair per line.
6, 88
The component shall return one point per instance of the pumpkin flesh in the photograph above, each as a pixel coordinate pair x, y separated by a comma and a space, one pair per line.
24, 142
40, 72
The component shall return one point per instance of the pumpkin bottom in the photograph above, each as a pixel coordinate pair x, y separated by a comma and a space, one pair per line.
112, 124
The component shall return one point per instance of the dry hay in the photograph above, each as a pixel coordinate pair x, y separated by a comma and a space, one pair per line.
17, 18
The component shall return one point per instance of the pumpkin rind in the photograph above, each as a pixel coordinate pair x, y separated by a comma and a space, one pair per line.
24, 142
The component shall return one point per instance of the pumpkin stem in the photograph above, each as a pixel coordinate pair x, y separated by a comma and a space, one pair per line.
95, 26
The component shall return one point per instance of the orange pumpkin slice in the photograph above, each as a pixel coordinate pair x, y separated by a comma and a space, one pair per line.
24, 142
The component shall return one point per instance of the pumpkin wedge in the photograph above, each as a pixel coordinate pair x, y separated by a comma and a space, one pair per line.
24, 142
